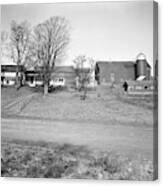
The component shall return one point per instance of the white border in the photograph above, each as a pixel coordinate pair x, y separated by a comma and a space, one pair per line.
61, 182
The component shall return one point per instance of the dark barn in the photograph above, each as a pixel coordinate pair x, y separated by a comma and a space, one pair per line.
120, 71
116, 71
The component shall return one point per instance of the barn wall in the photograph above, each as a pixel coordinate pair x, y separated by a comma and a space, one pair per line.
117, 71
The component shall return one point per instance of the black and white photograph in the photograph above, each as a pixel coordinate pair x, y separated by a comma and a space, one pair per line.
79, 90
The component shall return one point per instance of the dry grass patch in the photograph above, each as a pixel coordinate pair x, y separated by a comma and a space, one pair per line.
45, 160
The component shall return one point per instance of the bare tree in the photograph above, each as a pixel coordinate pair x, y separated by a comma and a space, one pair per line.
51, 39
83, 73
4, 51
20, 42
79, 61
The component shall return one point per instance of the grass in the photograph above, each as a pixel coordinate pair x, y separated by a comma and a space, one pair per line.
146, 102
9, 94
47, 160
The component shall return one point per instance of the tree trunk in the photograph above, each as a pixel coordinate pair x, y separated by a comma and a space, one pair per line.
85, 92
83, 97
45, 89
17, 70
17, 81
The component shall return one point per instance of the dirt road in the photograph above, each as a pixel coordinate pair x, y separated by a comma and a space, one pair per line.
127, 140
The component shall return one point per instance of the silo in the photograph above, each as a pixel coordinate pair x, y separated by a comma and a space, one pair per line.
141, 65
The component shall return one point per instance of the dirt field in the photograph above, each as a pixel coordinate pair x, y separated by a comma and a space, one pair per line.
106, 123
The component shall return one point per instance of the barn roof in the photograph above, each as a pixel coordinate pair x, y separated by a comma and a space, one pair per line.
124, 63
64, 69
11, 68
57, 69
117, 63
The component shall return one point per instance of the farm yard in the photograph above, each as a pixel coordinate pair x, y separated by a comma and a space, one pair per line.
84, 135
79, 91
65, 105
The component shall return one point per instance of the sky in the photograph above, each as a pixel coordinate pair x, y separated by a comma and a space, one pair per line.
108, 31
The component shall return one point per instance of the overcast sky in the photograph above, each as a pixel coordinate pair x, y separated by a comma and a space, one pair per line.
104, 31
